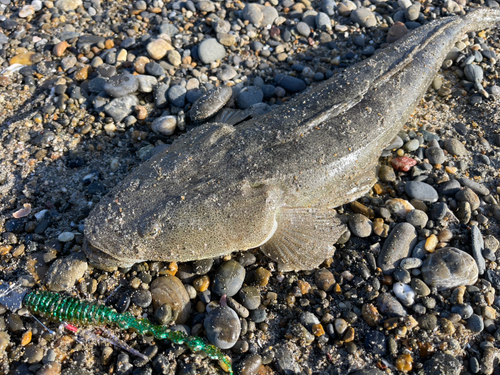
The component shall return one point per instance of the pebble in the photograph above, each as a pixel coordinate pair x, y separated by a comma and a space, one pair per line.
157, 49
475, 323
285, 361
249, 96
170, 290
375, 343
421, 191
68, 5
121, 85
473, 73
442, 364
449, 267
360, 225
229, 278
209, 104
477, 249
211, 50
435, 155
455, 147
404, 293
250, 365
33, 353
364, 17
289, 83
417, 218
390, 306
474, 186
64, 272
397, 246
223, 327
66, 237
250, 297
176, 94
142, 298
120, 108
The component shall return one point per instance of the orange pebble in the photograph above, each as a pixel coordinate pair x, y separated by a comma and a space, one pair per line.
404, 362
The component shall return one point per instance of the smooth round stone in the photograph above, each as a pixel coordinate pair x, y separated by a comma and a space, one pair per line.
417, 218
465, 311
229, 278
123, 303
120, 108
66, 237
364, 17
455, 147
449, 267
412, 145
438, 211
386, 173
250, 365
249, 96
473, 73
146, 83
270, 14
158, 48
142, 298
435, 155
252, 13
289, 83
203, 266
390, 306
121, 85
211, 50
303, 29
360, 225
467, 195
227, 73
177, 95
375, 342
164, 125
420, 288
442, 364
412, 12
223, 327
421, 191
475, 323
209, 104
68, 5
450, 188
398, 245
163, 314
400, 274
427, 322
411, 263
170, 290
258, 315
250, 297
154, 69
33, 353
323, 22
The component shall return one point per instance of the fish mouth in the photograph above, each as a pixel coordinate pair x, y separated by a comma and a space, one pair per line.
104, 261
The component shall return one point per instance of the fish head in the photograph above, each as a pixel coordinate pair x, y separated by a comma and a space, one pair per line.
180, 206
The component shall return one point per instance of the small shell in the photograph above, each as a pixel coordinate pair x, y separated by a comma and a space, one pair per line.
23, 212
169, 289
399, 207
404, 293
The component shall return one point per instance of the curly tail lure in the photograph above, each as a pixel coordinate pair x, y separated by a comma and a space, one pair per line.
53, 306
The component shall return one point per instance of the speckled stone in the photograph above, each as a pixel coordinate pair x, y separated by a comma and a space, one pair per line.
449, 267
209, 104
223, 327
64, 272
442, 364
229, 278
397, 246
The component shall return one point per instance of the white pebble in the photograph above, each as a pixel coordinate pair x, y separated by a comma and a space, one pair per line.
404, 293
66, 237
40, 215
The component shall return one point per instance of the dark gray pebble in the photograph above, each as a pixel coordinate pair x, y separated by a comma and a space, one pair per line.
442, 364
289, 83
375, 343
250, 95
421, 191
250, 297
142, 298
450, 188
177, 95
360, 225
121, 85
427, 322
210, 103
475, 186
229, 278
258, 315
397, 246
435, 155
390, 306
250, 365
475, 323
223, 327
285, 361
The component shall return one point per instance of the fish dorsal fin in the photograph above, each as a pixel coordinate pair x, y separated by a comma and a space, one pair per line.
304, 237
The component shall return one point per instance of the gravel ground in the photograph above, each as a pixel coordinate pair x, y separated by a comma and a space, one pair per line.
411, 289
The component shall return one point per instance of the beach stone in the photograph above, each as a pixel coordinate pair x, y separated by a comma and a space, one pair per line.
435, 155
364, 17
403, 163
120, 108
121, 85
360, 225
164, 125
229, 278
211, 50
449, 267
323, 22
369, 371
154, 69
427, 322
450, 188
375, 342
33, 353
249, 96
474, 73
253, 14
250, 365
476, 187
463, 212
289, 83
396, 31
226, 73
146, 83
417, 218
68, 5
390, 306
250, 297
270, 15
160, 94
468, 195
420, 288
64, 272
158, 48
421, 191
223, 327
477, 248
386, 173
475, 323
303, 29
442, 364
397, 246
174, 57
413, 11
170, 290
176, 94
66, 237
209, 104
60, 48
455, 147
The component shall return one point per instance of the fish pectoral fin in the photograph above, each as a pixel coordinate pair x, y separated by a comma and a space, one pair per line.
304, 237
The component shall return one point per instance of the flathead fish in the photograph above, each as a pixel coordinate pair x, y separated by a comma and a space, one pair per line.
273, 181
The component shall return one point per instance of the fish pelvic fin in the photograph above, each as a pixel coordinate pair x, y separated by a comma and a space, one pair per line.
304, 238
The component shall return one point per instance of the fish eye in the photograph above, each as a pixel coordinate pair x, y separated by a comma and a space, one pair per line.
149, 230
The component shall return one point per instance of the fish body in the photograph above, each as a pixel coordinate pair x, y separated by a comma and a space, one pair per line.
274, 181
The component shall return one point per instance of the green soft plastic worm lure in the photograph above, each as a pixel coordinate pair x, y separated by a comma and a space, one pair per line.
53, 306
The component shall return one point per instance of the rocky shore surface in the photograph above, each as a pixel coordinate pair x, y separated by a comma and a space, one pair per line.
89, 89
